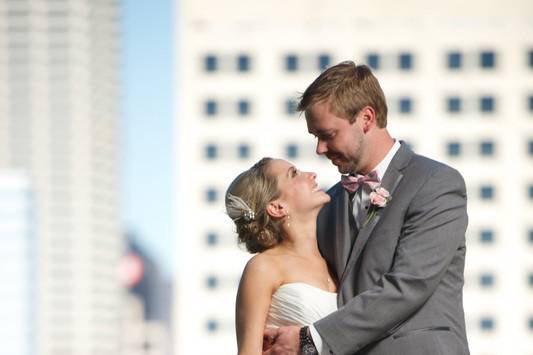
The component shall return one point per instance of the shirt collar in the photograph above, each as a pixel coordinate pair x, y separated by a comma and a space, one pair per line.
384, 164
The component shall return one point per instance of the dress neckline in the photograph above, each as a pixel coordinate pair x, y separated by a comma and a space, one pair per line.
305, 284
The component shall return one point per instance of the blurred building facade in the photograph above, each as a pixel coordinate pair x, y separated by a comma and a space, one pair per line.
17, 247
146, 307
458, 78
58, 124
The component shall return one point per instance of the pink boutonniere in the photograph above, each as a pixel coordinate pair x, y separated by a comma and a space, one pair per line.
379, 198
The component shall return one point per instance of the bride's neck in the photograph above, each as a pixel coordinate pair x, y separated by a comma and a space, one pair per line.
300, 238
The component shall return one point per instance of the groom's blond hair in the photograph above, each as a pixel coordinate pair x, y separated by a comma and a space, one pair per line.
348, 88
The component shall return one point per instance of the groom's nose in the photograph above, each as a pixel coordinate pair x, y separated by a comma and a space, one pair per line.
321, 147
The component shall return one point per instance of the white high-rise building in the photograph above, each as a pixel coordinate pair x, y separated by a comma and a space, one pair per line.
458, 78
17, 248
59, 66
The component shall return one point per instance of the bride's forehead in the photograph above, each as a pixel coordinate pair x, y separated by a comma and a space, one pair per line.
280, 165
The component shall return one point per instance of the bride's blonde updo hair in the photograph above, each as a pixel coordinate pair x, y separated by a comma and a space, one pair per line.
247, 198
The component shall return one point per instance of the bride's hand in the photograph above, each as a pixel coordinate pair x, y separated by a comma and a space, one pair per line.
286, 341
269, 337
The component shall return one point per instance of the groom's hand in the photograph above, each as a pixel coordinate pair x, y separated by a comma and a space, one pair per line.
286, 341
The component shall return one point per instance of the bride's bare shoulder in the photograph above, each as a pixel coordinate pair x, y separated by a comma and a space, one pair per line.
264, 267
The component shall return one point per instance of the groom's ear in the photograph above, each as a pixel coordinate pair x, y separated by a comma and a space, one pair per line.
275, 209
368, 118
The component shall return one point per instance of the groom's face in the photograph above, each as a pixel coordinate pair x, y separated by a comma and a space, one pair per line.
340, 140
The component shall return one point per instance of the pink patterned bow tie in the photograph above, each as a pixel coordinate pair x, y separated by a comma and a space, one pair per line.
352, 183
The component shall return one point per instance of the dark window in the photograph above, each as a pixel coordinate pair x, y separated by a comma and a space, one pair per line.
486, 148
530, 103
486, 104
323, 61
530, 147
211, 108
212, 326
454, 104
487, 59
530, 58
406, 61
292, 151
211, 282
211, 151
243, 63
530, 279
486, 280
290, 106
530, 236
486, 324
210, 63
291, 62
455, 60
243, 107
405, 104
486, 192
211, 239
486, 236
373, 60
530, 192
530, 323
454, 149
211, 195
244, 151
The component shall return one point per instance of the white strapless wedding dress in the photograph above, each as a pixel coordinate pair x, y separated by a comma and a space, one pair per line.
298, 303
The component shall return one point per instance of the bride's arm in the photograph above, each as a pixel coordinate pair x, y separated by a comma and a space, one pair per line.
258, 282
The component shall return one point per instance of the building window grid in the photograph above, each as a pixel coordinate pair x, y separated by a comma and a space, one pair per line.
487, 59
211, 108
373, 61
487, 104
210, 63
243, 151
243, 63
486, 280
454, 149
486, 192
291, 63
455, 60
486, 323
486, 236
405, 105
243, 107
212, 239
290, 107
292, 151
454, 104
405, 61
324, 60
211, 195
486, 148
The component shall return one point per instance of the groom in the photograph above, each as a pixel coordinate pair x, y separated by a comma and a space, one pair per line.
393, 233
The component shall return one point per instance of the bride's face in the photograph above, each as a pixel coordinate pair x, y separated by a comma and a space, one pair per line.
298, 189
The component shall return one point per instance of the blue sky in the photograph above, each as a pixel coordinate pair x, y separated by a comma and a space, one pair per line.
147, 126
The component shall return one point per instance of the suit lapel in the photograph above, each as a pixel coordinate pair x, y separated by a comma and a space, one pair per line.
340, 221
390, 182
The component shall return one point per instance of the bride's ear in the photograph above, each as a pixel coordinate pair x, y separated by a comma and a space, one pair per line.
275, 209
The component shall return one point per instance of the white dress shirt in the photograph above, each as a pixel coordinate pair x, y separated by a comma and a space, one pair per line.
361, 203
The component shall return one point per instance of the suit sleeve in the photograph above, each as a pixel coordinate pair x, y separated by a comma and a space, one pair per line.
433, 230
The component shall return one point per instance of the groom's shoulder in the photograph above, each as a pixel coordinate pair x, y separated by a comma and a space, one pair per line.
427, 167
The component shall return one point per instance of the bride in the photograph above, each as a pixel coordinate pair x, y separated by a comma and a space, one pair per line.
274, 207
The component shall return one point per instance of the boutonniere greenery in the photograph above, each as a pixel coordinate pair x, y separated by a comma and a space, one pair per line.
379, 198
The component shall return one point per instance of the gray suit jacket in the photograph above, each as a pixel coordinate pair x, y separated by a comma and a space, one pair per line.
400, 284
